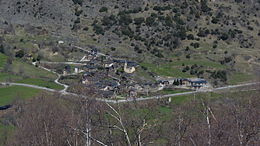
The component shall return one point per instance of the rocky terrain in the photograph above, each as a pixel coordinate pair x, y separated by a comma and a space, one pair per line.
221, 37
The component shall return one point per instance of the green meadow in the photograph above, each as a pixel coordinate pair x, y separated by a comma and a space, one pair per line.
11, 93
42, 83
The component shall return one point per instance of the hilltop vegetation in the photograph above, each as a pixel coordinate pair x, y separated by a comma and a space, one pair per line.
220, 38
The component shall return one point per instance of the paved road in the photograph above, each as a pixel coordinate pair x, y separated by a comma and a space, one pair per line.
67, 63
57, 80
85, 50
64, 92
27, 85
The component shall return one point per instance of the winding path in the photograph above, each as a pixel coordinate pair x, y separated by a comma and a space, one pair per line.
56, 81
27, 85
67, 63
64, 92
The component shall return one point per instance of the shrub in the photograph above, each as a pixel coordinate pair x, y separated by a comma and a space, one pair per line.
85, 28
224, 36
78, 2
109, 21
127, 31
98, 29
204, 6
188, 56
161, 8
77, 20
222, 75
19, 54
195, 45
168, 21
125, 19
215, 20
190, 37
2, 50
186, 69
78, 12
178, 20
157, 53
150, 21
181, 32
103, 9
139, 21
113, 48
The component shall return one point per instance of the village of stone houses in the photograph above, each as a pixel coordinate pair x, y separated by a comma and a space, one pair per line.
113, 78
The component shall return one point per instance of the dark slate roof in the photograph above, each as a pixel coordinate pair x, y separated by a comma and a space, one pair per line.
106, 94
104, 83
90, 66
185, 79
129, 63
108, 61
88, 74
196, 85
202, 81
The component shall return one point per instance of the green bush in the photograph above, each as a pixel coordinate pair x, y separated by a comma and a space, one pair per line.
109, 21
139, 21
222, 75
127, 31
190, 37
204, 6
125, 19
103, 9
215, 20
19, 54
78, 12
85, 28
195, 45
224, 36
150, 21
168, 21
78, 2
98, 29
2, 49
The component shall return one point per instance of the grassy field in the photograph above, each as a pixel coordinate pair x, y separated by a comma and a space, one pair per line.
9, 94
172, 91
5, 131
42, 83
7, 77
174, 69
26, 69
239, 78
31, 71
166, 70
205, 63
3, 59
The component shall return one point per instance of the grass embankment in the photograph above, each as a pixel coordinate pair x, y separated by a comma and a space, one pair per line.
7, 77
3, 59
9, 94
20, 71
174, 69
172, 91
28, 70
42, 83
237, 78
5, 132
